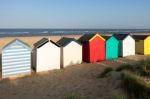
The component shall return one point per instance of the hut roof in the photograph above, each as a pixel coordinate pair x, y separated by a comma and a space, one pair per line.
86, 37
140, 37
44, 41
55, 43
106, 37
30, 40
41, 42
120, 36
65, 41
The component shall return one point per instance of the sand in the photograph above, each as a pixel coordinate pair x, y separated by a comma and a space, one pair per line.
33, 39
78, 80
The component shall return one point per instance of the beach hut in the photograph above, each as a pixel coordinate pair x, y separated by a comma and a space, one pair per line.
46, 55
93, 47
16, 59
142, 44
112, 47
71, 51
126, 44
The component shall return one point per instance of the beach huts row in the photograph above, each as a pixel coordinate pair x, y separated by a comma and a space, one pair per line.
98, 48
18, 58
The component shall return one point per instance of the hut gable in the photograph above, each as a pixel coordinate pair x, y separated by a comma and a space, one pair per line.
16, 42
110, 38
89, 37
71, 51
142, 44
125, 40
46, 55
93, 47
16, 59
112, 45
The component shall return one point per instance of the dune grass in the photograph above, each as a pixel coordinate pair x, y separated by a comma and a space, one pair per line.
124, 67
144, 67
106, 72
132, 79
135, 85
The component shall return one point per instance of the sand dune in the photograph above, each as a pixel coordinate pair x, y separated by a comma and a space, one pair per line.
77, 80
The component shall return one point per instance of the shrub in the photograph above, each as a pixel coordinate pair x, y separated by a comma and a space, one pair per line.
135, 85
124, 67
105, 72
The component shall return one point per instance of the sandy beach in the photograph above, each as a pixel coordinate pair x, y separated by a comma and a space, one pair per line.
33, 39
78, 80
36, 62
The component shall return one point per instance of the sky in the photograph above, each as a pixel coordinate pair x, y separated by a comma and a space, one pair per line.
112, 14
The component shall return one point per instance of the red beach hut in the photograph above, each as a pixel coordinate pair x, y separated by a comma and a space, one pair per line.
93, 47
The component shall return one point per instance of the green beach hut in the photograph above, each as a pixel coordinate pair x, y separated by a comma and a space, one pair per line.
112, 47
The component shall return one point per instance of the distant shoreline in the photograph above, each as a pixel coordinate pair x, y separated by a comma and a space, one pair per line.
3, 35
61, 32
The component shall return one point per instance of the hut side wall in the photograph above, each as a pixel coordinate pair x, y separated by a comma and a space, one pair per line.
61, 57
86, 52
33, 58
139, 47
120, 51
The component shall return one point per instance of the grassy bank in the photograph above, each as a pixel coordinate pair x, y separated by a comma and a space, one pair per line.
135, 85
134, 79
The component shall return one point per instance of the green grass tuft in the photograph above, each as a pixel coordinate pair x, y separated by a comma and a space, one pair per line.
135, 85
124, 67
106, 72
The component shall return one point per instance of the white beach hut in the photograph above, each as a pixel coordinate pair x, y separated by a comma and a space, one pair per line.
71, 51
126, 44
16, 59
47, 55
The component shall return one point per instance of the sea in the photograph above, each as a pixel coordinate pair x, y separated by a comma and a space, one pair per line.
46, 32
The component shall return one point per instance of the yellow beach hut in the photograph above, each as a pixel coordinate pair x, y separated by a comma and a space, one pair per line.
142, 44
